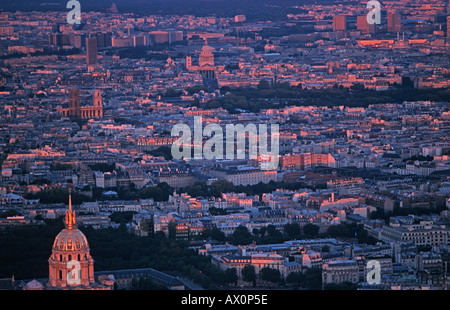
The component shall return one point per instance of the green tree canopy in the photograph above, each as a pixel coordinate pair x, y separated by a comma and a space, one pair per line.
231, 276
241, 236
270, 274
311, 230
249, 273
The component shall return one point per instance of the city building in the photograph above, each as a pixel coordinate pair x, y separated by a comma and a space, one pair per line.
339, 271
364, 26
245, 175
340, 23
423, 234
394, 21
86, 111
91, 51
206, 66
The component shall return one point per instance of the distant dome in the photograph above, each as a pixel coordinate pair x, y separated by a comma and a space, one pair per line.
207, 48
206, 56
70, 240
35, 285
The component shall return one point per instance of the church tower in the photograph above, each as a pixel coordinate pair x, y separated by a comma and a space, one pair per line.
188, 62
74, 102
70, 264
97, 98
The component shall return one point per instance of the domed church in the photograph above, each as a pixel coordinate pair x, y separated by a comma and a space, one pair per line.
206, 66
71, 265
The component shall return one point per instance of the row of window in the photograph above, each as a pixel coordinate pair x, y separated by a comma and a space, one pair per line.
69, 257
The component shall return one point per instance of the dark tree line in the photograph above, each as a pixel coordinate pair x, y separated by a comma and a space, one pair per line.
255, 99
201, 189
25, 251
293, 231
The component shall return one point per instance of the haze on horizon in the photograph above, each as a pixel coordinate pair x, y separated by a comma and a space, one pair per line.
253, 9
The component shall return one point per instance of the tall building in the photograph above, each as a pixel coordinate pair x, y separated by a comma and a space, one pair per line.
364, 26
91, 51
104, 39
159, 37
74, 101
340, 23
448, 26
394, 22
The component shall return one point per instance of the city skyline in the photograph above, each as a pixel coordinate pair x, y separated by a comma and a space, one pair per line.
289, 145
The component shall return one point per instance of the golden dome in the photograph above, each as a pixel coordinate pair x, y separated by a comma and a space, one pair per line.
70, 240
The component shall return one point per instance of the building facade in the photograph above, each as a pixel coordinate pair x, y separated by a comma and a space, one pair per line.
77, 110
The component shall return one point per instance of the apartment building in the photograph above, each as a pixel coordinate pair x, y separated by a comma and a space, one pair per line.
306, 161
339, 271
246, 175
422, 235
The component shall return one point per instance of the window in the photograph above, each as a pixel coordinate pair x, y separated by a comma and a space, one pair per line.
60, 275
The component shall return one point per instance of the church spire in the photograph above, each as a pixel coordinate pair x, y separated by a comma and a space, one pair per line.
70, 216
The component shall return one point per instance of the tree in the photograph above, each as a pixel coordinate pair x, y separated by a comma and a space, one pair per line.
11, 212
262, 231
295, 278
263, 84
197, 189
172, 228
249, 274
170, 92
241, 236
214, 233
102, 167
311, 230
312, 278
274, 235
339, 230
292, 230
270, 274
357, 86
161, 151
221, 186
230, 276
122, 217
157, 193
